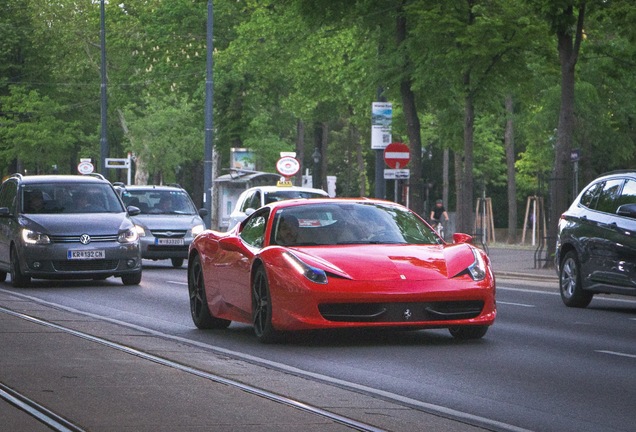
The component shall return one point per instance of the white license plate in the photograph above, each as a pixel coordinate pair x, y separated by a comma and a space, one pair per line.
170, 242
85, 254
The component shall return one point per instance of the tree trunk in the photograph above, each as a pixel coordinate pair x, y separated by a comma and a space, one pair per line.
509, 139
457, 162
362, 172
300, 150
323, 155
465, 196
412, 122
445, 177
465, 199
316, 170
568, 45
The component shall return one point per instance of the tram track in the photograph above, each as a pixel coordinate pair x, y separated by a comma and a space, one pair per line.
37, 411
58, 423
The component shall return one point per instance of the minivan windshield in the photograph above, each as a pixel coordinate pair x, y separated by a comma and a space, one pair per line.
154, 201
69, 197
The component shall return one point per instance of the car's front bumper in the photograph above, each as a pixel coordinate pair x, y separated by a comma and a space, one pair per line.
52, 261
161, 248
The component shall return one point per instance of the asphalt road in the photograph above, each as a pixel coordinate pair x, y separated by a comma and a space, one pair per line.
541, 367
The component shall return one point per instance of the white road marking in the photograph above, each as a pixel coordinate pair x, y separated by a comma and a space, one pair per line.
515, 304
620, 354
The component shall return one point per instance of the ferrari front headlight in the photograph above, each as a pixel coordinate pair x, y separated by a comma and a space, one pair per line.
477, 269
312, 273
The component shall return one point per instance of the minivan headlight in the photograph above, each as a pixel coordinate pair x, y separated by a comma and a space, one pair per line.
128, 236
34, 237
197, 229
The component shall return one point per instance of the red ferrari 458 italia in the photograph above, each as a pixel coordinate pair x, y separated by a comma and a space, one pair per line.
339, 263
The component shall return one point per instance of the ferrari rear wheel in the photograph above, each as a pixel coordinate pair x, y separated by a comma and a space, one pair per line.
468, 332
262, 308
199, 310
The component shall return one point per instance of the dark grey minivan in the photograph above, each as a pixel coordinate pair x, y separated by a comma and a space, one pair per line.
66, 227
596, 242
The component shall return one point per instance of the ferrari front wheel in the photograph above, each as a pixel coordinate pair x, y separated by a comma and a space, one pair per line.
262, 308
199, 310
468, 332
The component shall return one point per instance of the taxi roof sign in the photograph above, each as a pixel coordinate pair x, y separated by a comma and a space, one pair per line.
284, 184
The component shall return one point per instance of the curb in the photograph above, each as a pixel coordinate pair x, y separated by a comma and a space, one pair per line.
526, 276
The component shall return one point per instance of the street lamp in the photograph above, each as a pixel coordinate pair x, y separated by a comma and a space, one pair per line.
316, 157
104, 150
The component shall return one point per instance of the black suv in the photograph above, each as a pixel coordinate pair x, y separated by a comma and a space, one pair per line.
65, 227
596, 243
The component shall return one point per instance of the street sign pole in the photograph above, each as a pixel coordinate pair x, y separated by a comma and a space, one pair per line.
396, 155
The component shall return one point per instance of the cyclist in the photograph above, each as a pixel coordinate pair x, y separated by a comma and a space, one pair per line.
437, 213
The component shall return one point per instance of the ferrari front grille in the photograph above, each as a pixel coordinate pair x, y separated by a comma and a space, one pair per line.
401, 312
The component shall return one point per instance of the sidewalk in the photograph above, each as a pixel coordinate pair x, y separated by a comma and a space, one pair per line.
516, 261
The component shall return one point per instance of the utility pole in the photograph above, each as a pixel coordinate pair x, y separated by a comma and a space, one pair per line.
208, 160
104, 105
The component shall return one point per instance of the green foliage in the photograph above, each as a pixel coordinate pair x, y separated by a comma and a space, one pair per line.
164, 134
33, 131
276, 63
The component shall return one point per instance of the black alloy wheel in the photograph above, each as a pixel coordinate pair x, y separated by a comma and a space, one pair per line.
262, 308
572, 292
199, 310
131, 279
18, 279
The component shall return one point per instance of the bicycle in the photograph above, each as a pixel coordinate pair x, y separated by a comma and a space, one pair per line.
438, 227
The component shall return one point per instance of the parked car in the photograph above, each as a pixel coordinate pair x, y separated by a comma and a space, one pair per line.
65, 227
339, 263
167, 220
596, 244
256, 197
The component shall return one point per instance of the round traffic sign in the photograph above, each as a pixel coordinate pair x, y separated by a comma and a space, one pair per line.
287, 166
85, 168
397, 155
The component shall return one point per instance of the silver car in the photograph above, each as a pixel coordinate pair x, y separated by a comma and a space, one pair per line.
65, 227
167, 221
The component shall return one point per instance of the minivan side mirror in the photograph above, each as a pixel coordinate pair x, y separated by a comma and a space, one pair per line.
627, 210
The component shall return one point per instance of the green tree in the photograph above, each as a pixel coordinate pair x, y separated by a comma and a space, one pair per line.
162, 134
33, 133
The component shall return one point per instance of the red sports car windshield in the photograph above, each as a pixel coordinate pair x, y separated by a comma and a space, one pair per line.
349, 223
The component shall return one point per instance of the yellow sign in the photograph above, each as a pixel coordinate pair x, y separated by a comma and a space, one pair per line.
284, 184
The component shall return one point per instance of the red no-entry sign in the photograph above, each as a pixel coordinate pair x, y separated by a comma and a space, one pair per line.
397, 155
